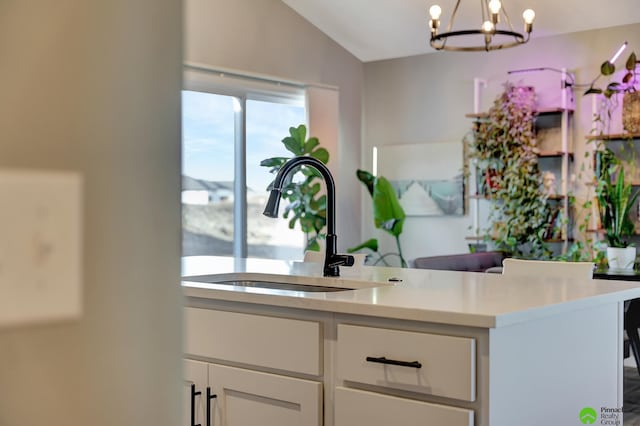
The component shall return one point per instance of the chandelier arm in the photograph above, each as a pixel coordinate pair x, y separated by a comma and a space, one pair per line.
453, 16
484, 8
506, 17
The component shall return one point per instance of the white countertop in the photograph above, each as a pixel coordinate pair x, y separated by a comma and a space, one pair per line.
448, 297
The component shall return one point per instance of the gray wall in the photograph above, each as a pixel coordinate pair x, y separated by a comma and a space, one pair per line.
423, 99
269, 38
93, 86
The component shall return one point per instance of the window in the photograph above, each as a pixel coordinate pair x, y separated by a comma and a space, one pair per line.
226, 131
207, 174
267, 124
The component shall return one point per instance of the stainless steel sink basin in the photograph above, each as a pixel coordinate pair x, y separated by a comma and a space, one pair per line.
267, 284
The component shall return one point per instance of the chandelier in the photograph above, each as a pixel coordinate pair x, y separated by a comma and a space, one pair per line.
488, 37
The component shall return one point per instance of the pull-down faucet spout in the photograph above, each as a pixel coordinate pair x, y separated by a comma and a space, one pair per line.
332, 260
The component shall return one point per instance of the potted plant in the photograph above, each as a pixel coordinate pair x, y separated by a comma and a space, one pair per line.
615, 198
388, 215
504, 149
627, 86
307, 204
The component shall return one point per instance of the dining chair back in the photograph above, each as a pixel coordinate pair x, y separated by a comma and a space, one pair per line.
547, 268
543, 268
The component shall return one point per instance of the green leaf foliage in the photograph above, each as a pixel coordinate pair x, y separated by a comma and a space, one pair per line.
293, 145
388, 214
628, 82
607, 68
307, 205
275, 163
504, 148
310, 144
320, 154
367, 179
371, 244
630, 65
615, 199
593, 91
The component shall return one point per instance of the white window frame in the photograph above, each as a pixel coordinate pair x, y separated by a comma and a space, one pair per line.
201, 78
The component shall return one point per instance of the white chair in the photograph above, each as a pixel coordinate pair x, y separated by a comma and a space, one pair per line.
547, 268
542, 268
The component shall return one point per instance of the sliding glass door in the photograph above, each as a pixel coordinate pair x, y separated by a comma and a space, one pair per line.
267, 124
224, 188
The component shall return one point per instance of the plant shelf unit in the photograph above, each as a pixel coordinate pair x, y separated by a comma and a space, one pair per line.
563, 153
616, 138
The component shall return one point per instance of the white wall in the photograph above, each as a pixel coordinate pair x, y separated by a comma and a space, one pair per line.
94, 87
269, 38
423, 99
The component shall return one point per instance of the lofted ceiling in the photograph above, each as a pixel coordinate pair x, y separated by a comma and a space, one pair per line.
382, 29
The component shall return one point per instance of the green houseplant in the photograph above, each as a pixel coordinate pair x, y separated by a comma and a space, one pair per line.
307, 204
627, 86
505, 151
388, 215
616, 198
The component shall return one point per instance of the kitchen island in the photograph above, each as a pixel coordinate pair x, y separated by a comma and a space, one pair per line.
398, 346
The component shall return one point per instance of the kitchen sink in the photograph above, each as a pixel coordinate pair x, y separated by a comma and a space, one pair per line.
267, 284
252, 282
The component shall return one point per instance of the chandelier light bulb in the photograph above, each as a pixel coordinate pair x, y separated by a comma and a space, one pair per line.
487, 26
435, 11
494, 6
528, 16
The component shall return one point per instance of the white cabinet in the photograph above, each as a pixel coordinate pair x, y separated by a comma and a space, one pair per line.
249, 398
422, 363
356, 407
242, 397
375, 371
259, 340
196, 381
426, 363
259, 388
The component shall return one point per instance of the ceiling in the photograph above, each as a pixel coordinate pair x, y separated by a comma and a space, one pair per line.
382, 29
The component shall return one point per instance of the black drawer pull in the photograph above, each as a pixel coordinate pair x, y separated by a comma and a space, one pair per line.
194, 393
383, 360
210, 396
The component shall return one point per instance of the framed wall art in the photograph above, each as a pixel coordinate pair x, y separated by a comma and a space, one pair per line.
428, 178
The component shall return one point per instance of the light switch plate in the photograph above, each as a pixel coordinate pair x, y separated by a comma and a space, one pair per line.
40, 246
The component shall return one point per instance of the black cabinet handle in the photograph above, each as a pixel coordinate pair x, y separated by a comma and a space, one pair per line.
209, 398
383, 360
194, 393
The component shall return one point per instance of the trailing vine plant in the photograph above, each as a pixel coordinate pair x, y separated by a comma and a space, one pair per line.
505, 150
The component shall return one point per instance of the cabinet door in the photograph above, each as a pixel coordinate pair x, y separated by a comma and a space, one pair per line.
195, 374
355, 407
250, 398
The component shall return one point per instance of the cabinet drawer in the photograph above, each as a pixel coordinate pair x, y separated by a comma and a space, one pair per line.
246, 397
280, 343
447, 364
355, 407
